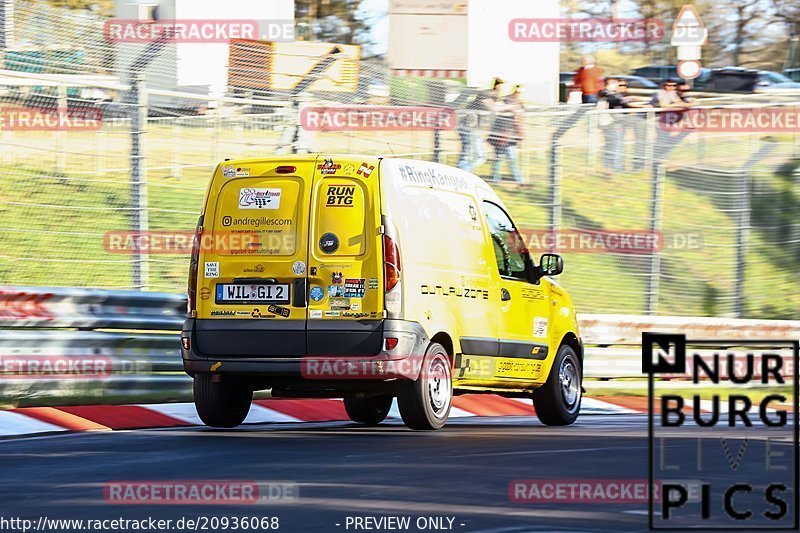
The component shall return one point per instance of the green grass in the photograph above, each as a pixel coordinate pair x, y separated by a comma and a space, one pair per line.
53, 223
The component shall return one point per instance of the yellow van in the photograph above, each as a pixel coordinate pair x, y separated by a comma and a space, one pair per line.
369, 279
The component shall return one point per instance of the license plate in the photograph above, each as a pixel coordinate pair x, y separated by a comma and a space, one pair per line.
245, 293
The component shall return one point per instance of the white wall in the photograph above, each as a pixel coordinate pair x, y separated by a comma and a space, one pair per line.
491, 52
200, 65
427, 34
206, 63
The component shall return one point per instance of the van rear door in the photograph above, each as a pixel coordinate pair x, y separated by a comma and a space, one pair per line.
345, 258
254, 253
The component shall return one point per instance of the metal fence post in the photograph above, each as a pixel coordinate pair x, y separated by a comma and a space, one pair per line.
743, 226
138, 177
62, 105
656, 213
743, 223
555, 169
555, 188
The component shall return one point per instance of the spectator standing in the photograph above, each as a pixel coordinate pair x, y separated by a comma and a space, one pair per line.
476, 121
669, 98
616, 125
683, 90
507, 134
589, 79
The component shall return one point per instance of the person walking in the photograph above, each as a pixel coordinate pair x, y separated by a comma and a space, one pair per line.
476, 121
507, 134
589, 79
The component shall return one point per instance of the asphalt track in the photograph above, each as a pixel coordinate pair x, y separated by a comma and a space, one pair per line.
342, 470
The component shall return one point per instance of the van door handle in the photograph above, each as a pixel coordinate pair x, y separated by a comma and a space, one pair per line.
299, 293
255, 280
505, 295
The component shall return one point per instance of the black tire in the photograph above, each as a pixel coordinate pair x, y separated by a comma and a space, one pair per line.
221, 404
369, 411
425, 403
558, 401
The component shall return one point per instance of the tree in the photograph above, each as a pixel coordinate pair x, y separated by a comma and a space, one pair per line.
788, 12
336, 21
746, 13
102, 7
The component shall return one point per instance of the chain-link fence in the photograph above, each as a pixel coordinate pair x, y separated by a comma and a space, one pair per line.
648, 220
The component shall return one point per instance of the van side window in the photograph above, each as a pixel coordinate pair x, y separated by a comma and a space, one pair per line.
509, 247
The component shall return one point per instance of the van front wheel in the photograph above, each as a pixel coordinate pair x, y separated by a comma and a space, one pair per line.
369, 411
558, 401
221, 404
425, 403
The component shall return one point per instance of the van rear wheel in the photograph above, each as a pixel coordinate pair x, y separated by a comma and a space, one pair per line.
425, 403
221, 404
558, 401
369, 411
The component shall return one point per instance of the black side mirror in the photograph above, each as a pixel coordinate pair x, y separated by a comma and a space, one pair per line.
551, 265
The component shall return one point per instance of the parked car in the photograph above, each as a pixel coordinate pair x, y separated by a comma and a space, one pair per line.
728, 80
792, 73
743, 80
768, 79
657, 73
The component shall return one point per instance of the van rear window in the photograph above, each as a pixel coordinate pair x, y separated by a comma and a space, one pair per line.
257, 217
341, 217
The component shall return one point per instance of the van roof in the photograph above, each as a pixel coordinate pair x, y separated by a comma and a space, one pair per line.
299, 157
481, 188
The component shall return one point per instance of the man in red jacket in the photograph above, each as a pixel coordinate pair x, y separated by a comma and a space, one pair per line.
589, 79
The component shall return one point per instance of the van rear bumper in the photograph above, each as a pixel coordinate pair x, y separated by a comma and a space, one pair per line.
292, 348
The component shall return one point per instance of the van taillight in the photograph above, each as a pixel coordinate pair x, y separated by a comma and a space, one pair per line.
391, 264
192, 289
286, 170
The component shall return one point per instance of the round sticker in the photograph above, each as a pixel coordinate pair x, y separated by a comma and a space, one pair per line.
329, 243
298, 267
317, 293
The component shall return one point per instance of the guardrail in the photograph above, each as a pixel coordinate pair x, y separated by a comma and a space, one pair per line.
82, 345
41, 307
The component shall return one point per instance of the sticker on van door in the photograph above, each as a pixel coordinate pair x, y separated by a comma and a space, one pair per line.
316, 293
355, 287
329, 243
212, 269
328, 167
253, 198
539, 327
299, 268
365, 170
340, 195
